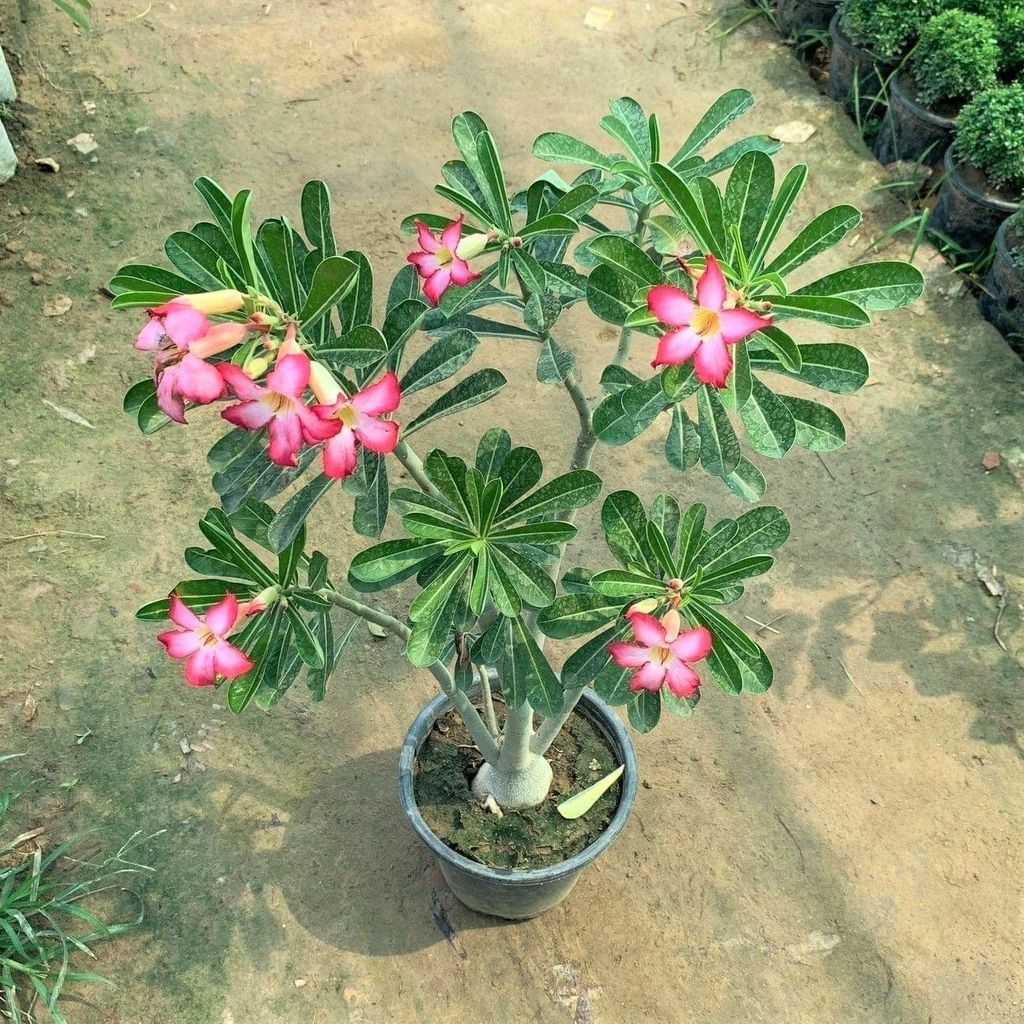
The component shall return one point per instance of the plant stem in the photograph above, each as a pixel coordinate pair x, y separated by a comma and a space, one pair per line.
484, 672
586, 439
414, 466
482, 737
552, 725
515, 748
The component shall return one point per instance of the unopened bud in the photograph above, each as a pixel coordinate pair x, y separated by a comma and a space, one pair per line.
646, 606
323, 384
219, 338
256, 366
227, 300
675, 583
471, 245
672, 622
516, 242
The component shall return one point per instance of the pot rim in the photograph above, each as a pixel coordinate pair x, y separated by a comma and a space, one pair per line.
920, 111
992, 202
594, 708
1003, 245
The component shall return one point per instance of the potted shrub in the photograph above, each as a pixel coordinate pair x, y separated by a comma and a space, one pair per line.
797, 18
956, 57
1002, 298
984, 168
869, 37
276, 327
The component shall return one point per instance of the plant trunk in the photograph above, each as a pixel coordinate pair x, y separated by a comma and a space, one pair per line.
520, 778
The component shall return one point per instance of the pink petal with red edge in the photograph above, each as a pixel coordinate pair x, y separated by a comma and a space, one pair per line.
692, 645
428, 243
167, 398
676, 347
451, 234
198, 381
740, 323
711, 286
180, 643
200, 669
229, 661
629, 655
289, 376
379, 398
240, 382
340, 454
150, 336
681, 679
248, 415
648, 677
426, 263
671, 305
461, 273
713, 362
221, 616
181, 615
377, 435
285, 438
184, 324
436, 285
315, 428
646, 628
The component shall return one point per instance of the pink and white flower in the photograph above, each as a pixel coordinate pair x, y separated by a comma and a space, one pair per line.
279, 405
185, 318
356, 419
703, 329
662, 654
204, 642
442, 261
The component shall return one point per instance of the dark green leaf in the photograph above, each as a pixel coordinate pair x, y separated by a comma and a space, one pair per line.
682, 445
295, 511
824, 309
476, 388
442, 360
818, 428
577, 614
769, 425
645, 711
719, 446
564, 493
719, 116
830, 366
890, 284
826, 230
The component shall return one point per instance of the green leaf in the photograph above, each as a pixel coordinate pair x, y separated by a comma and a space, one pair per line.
142, 277
531, 583
391, 557
748, 195
492, 451
199, 595
361, 347
431, 636
554, 363
216, 528
830, 366
780, 344
746, 481
295, 511
669, 235
625, 528
242, 690
713, 207
611, 683
625, 584
195, 258
290, 557
682, 445
370, 508
430, 599
587, 661
719, 446
476, 388
610, 294
535, 533
274, 240
679, 382
551, 224
565, 149
681, 201
520, 471
577, 614
658, 544
578, 804
889, 284
310, 650
218, 201
826, 230
332, 279
758, 531
616, 251
728, 156
564, 493
769, 425
541, 312
665, 516
683, 707
645, 711
241, 234
442, 360
777, 213
818, 428
356, 306
316, 217
734, 572
209, 563
530, 272
824, 309
719, 116
691, 532
527, 674
448, 474
626, 414
493, 183
467, 203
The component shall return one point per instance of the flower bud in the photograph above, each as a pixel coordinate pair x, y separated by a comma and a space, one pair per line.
227, 300
323, 384
471, 245
219, 338
672, 622
647, 605
675, 583
256, 366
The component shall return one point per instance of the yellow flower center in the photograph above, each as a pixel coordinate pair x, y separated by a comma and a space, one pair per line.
444, 255
661, 655
706, 322
347, 414
277, 403
207, 637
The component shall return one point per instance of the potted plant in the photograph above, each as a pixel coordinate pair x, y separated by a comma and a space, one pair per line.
276, 327
984, 168
797, 18
956, 57
1002, 297
869, 37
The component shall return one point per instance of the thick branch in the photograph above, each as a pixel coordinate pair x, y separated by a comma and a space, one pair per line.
414, 466
552, 726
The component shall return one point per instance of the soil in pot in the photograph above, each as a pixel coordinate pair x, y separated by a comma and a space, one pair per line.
969, 210
531, 838
913, 131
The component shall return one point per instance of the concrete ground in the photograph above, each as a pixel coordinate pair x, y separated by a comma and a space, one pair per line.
845, 849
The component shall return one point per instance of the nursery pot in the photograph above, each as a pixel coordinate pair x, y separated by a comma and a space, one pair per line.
966, 211
503, 892
910, 131
797, 16
1002, 300
852, 63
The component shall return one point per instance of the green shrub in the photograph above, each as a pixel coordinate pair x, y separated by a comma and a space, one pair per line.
1010, 35
990, 134
885, 27
956, 56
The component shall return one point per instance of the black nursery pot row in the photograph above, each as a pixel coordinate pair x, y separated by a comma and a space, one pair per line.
967, 211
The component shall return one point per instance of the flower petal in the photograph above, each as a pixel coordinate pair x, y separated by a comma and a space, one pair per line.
692, 645
340, 454
648, 677
646, 628
428, 243
240, 382
711, 286
681, 679
184, 324
167, 397
221, 616
285, 438
181, 615
200, 669
379, 398
248, 415
676, 347
198, 381
426, 263
377, 435
150, 336
290, 375
180, 643
671, 305
436, 285
461, 272
629, 655
712, 361
451, 234
229, 661
740, 323
314, 427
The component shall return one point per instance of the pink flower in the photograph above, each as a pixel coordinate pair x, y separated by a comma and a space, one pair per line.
703, 329
662, 653
443, 262
278, 405
184, 318
204, 643
357, 418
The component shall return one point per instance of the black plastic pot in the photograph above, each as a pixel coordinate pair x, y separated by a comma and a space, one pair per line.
966, 214
516, 895
910, 131
795, 17
1002, 301
853, 64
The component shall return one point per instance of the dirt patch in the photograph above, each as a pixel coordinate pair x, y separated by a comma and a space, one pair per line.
530, 838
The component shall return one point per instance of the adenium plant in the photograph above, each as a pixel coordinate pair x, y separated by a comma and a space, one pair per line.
277, 329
